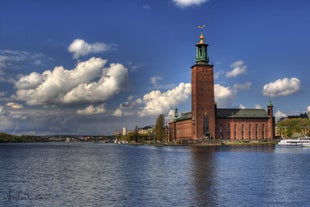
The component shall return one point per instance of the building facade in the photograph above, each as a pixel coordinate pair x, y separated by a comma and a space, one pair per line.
206, 121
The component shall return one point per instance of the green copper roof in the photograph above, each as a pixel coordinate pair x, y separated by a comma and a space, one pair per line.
231, 113
241, 113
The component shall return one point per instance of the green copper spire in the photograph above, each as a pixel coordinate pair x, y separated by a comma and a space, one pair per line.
201, 48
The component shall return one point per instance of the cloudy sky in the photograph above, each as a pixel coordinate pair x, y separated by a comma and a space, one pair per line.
92, 67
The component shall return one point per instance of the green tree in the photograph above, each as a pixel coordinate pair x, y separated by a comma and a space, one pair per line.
295, 125
136, 135
160, 128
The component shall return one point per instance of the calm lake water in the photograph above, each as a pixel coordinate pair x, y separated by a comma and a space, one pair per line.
96, 174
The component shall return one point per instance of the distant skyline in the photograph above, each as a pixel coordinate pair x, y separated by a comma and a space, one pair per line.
92, 67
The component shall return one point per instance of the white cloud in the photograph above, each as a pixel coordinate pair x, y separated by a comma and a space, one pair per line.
242, 106
245, 86
118, 112
128, 107
3, 60
14, 105
29, 81
187, 3
223, 95
154, 80
308, 108
9, 58
238, 68
156, 102
90, 110
88, 82
282, 87
257, 106
11, 62
81, 48
279, 114
218, 74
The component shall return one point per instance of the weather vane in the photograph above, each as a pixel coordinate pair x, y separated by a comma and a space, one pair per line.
201, 27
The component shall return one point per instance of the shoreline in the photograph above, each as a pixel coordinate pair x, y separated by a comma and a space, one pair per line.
214, 143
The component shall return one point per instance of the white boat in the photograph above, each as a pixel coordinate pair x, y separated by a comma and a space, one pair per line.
306, 145
300, 142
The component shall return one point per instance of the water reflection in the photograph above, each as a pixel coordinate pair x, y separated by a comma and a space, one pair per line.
203, 170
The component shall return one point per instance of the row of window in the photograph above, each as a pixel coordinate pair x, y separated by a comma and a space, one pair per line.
244, 133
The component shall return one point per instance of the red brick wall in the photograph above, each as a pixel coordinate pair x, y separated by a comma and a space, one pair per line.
203, 103
248, 129
180, 130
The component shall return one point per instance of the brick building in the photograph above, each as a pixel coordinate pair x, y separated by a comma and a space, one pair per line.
206, 121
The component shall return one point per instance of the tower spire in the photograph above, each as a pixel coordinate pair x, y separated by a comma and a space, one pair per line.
201, 27
201, 48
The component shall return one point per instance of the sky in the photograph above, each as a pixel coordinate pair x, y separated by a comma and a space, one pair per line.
91, 67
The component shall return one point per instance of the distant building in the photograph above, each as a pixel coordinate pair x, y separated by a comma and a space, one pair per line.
146, 130
206, 121
124, 131
301, 115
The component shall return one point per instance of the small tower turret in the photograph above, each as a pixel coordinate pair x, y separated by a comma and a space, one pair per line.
201, 48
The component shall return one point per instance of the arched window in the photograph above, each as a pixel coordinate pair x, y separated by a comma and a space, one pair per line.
263, 131
221, 131
242, 132
235, 131
250, 129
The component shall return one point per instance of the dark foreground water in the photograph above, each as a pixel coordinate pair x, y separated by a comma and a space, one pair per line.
95, 174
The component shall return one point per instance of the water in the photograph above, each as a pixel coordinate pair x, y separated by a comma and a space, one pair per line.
96, 174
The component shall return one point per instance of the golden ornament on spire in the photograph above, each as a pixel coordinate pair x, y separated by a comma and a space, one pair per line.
201, 27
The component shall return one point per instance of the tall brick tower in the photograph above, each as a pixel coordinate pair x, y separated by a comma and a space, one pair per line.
203, 104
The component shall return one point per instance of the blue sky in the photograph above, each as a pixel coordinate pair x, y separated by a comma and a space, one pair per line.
92, 67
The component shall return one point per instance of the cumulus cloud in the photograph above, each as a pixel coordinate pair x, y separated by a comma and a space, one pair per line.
89, 82
279, 114
14, 105
223, 95
238, 68
91, 109
282, 87
308, 108
118, 112
156, 102
187, 3
80, 48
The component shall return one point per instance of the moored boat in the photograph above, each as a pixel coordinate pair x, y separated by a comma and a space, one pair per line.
300, 142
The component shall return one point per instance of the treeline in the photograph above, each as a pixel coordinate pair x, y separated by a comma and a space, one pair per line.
4, 137
289, 127
157, 135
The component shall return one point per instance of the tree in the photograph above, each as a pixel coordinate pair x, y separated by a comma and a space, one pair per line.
160, 128
295, 126
136, 134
